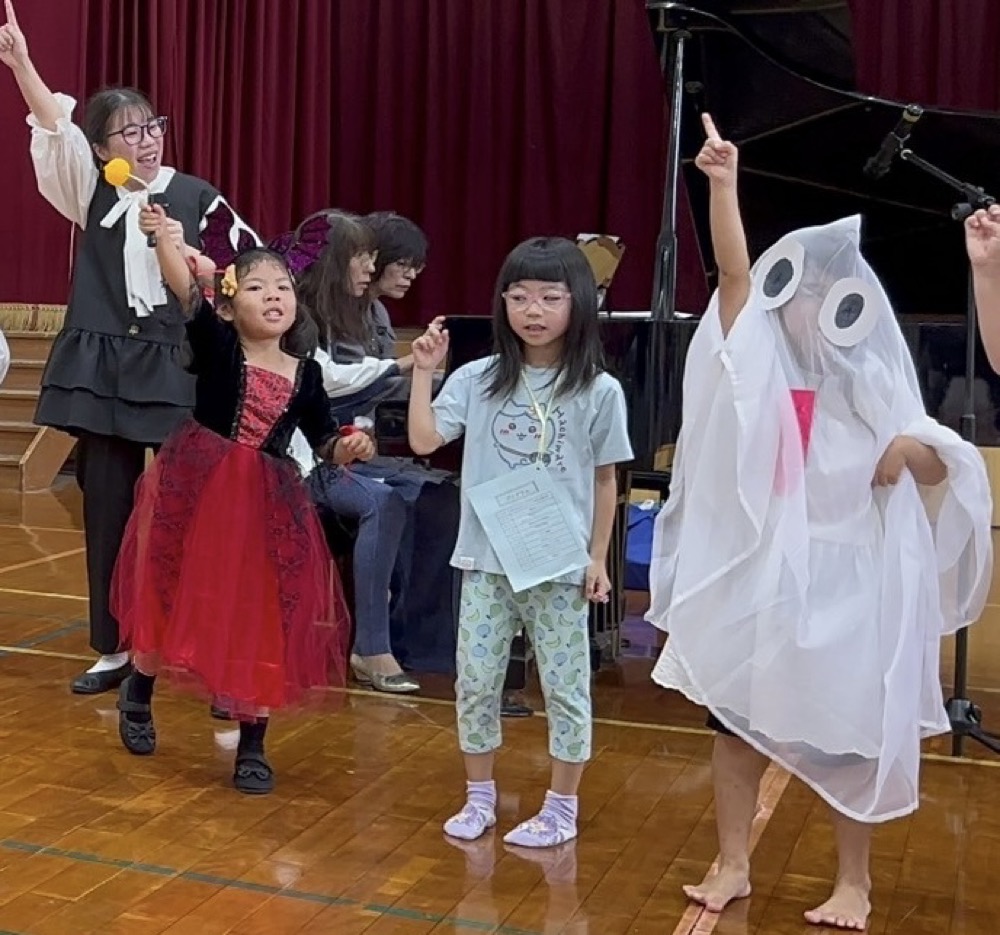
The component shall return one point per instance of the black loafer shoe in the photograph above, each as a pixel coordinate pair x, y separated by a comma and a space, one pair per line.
96, 683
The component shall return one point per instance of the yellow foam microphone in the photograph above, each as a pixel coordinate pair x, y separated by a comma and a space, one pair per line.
117, 171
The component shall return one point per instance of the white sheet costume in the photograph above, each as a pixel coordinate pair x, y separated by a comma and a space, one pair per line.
805, 609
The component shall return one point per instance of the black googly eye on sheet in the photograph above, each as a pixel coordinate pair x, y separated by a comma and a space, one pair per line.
849, 312
779, 273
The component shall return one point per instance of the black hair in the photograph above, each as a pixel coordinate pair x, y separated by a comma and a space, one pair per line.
396, 239
325, 288
302, 338
103, 105
548, 259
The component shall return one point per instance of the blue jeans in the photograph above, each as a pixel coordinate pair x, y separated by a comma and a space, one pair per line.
381, 514
424, 608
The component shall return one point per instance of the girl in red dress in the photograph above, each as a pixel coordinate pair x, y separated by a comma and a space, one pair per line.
224, 573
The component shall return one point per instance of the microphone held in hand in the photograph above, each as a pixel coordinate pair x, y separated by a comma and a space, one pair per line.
118, 172
879, 164
155, 198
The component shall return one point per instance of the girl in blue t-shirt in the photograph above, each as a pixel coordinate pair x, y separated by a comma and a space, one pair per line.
541, 417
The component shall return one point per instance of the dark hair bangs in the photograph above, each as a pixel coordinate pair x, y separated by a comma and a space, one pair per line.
548, 259
107, 102
534, 260
396, 239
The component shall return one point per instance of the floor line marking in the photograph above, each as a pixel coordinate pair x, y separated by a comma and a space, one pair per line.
49, 594
404, 700
66, 529
697, 920
42, 561
211, 879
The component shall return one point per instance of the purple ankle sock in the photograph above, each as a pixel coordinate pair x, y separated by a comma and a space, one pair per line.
564, 807
478, 814
483, 795
555, 824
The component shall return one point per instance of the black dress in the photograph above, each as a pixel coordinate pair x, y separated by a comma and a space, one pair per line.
110, 371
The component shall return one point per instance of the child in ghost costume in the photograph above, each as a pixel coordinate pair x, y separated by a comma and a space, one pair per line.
822, 534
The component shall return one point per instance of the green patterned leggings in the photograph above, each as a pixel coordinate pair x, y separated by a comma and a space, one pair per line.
555, 618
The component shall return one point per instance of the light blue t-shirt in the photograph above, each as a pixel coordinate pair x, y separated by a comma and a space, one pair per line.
584, 431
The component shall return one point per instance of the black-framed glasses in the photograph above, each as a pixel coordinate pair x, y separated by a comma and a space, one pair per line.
133, 133
408, 267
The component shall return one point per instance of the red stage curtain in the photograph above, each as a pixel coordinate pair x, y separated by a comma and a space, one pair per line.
34, 239
485, 121
941, 53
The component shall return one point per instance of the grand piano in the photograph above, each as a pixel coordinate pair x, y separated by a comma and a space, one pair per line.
778, 79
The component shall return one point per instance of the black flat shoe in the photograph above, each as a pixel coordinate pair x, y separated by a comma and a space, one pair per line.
96, 683
220, 714
515, 709
253, 774
138, 737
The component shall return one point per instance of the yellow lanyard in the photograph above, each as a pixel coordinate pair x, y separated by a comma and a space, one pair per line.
542, 415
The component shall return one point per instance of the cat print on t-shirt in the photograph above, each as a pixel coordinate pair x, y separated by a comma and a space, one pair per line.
516, 430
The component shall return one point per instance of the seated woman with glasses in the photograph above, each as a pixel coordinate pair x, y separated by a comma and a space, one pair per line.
334, 290
114, 377
400, 257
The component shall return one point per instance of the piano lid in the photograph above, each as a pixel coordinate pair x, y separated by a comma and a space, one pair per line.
804, 142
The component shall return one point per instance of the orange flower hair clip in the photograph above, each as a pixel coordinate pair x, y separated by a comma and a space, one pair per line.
228, 284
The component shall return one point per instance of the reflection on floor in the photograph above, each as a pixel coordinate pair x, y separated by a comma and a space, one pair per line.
93, 840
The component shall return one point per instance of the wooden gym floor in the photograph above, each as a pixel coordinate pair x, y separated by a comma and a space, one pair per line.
93, 840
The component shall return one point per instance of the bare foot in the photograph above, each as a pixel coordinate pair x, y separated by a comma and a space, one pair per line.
847, 908
719, 888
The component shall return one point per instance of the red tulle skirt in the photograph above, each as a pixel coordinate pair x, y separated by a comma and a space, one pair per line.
224, 572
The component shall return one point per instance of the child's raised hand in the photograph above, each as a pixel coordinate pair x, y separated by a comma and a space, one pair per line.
982, 238
357, 446
718, 157
13, 45
597, 586
431, 348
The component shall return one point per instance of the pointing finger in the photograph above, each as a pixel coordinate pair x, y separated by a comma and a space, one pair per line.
710, 130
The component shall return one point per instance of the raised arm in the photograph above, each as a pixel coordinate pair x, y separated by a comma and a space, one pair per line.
14, 54
718, 160
429, 352
982, 240
176, 273
61, 155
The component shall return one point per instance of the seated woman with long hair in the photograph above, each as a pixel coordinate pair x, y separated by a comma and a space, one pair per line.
334, 290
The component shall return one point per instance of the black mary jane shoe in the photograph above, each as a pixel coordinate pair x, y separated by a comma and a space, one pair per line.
219, 713
96, 683
138, 737
253, 774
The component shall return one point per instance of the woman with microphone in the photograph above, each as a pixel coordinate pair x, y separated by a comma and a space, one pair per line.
114, 378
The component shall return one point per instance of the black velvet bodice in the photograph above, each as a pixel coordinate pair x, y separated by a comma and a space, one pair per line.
220, 371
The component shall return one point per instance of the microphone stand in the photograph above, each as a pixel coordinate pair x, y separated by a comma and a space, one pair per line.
966, 718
